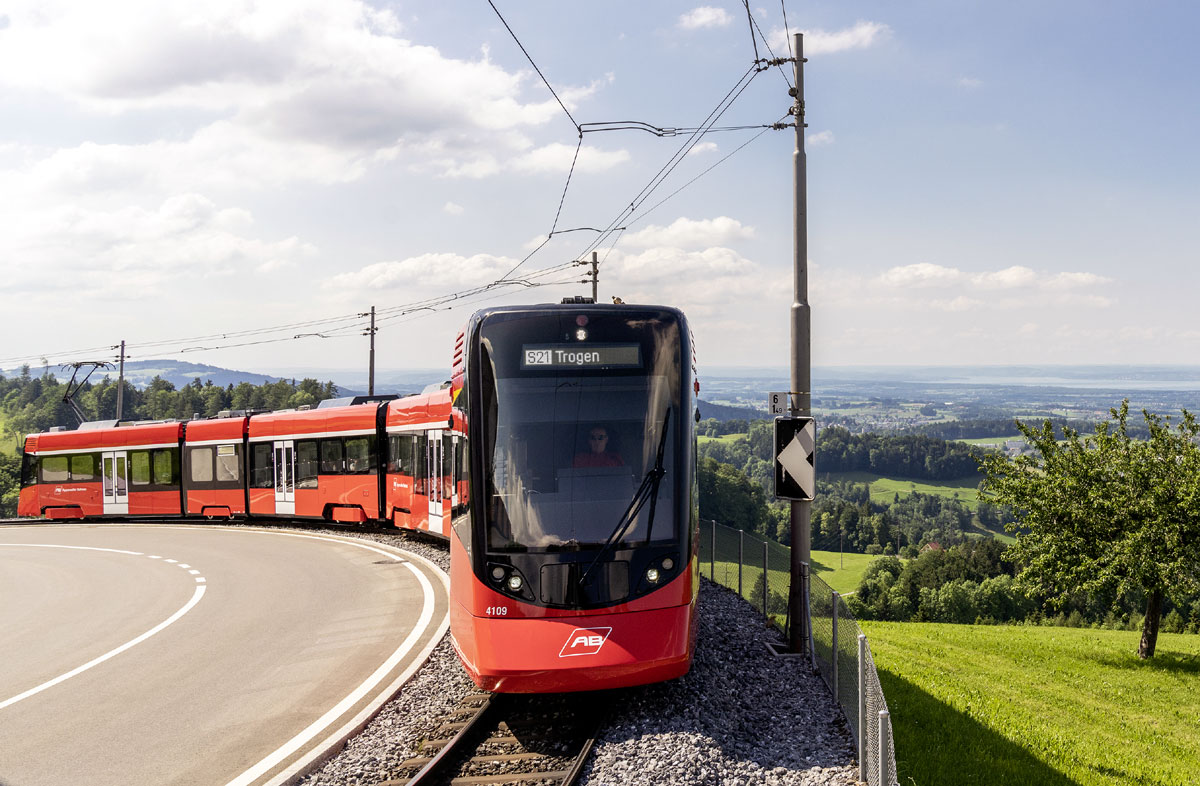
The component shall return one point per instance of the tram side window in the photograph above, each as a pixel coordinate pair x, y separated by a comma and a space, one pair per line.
360, 455
306, 464
262, 467
447, 466
55, 469
202, 465
421, 454
227, 464
164, 465
85, 467
331, 457
29, 464
401, 460
139, 468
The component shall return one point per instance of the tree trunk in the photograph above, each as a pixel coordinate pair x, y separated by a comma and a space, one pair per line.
1150, 626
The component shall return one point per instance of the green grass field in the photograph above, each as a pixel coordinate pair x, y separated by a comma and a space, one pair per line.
1026, 706
722, 438
825, 564
884, 489
989, 440
8, 444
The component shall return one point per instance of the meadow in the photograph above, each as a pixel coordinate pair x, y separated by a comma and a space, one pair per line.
884, 489
974, 704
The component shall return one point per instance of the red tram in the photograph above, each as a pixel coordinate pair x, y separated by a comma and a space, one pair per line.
575, 565
574, 551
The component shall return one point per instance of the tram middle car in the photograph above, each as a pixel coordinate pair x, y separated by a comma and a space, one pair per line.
574, 566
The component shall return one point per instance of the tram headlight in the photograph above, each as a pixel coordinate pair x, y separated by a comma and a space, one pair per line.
652, 575
581, 335
668, 563
498, 573
515, 582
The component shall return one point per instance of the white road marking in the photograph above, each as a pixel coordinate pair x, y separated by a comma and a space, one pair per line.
317, 726
196, 596
110, 654
194, 572
77, 548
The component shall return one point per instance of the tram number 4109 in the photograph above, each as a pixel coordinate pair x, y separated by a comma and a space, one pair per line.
497, 611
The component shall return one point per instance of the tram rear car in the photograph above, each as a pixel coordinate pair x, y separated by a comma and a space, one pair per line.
101, 470
574, 565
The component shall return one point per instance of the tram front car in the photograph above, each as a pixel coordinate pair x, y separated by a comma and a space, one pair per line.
576, 566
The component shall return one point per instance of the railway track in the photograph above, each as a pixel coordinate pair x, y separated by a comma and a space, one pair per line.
510, 740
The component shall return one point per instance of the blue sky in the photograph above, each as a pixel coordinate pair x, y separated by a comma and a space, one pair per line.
988, 183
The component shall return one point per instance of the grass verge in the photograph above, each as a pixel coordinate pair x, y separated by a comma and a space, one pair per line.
973, 704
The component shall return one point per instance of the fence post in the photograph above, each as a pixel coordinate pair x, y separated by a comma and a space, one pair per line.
885, 733
712, 555
834, 597
862, 707
806, 600
742, 539
766, 581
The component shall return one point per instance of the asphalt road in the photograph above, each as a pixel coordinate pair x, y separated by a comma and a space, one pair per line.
147, 654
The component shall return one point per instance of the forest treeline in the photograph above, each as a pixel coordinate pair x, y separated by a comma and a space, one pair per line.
736, 485
30, 403
975, 582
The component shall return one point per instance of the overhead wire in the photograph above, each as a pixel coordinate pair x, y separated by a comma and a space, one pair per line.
347, 325
535, 66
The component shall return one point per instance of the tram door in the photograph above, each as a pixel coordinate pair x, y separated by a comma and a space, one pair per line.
285, 477
115, 467
433, 469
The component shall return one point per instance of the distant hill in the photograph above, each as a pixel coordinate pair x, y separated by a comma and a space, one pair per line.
723, 412
139, 373
178, 372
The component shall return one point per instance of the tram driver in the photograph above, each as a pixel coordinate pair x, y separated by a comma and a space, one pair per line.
598, 453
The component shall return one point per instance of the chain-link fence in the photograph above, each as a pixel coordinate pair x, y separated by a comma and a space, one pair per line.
760, 571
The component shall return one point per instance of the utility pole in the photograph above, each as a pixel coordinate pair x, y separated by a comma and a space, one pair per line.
371, 374
121, 384
800, 400
595, 275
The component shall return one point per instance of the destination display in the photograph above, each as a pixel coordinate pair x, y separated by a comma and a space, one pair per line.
537, 357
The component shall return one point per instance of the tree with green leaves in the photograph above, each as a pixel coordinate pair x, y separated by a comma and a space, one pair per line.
1106, 515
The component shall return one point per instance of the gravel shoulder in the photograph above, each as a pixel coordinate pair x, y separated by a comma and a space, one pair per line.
740, 715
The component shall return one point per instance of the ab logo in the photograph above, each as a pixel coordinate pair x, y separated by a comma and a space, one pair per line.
584, 641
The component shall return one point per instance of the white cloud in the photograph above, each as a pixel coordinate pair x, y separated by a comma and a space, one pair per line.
689, 233
862, 35
268, 84
958, 304
452, 209
921, 274
132, 252
703, 147
556, 157
818, 139
970, 83
445, 272
924, 275
705, 16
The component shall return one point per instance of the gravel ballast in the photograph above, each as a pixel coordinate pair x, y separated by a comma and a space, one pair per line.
740, 716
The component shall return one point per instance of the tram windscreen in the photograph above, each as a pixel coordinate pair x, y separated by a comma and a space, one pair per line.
574, 426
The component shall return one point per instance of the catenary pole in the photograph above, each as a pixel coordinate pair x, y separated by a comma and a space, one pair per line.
800, 400
595, 275
371, 375
121, 383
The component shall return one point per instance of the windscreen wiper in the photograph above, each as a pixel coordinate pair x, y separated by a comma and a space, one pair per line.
647, 491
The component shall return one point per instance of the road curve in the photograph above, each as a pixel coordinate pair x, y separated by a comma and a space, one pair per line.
188, 654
